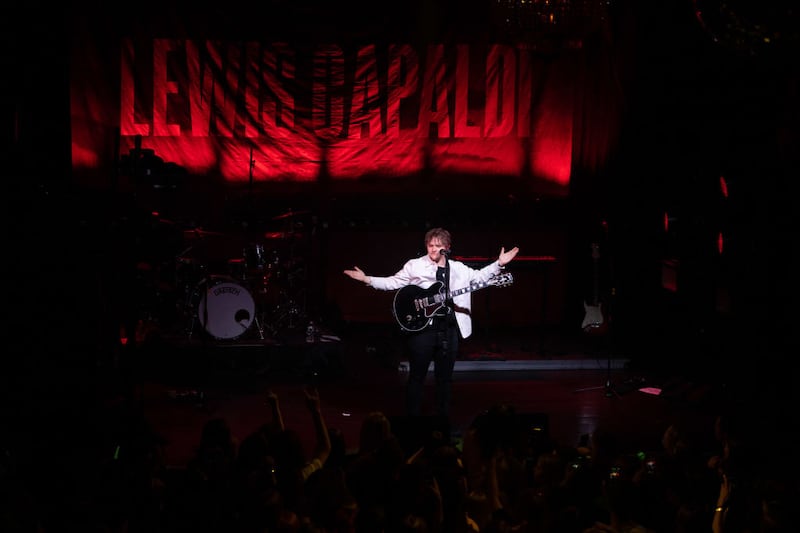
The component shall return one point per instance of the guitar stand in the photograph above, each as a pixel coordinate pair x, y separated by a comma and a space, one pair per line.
610, 391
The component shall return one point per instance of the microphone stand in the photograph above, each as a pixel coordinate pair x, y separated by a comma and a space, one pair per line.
447, 304
446, 255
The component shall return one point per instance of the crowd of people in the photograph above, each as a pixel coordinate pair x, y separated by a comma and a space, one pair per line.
494, 477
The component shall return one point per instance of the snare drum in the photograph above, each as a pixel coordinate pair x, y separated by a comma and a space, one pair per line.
226, 309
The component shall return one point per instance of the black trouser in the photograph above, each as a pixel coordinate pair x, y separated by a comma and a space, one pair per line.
437, 343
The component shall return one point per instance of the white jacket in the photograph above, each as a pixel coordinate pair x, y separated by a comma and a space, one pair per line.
421, 271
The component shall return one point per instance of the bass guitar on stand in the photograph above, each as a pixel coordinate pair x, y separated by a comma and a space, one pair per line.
414, 307
595, 319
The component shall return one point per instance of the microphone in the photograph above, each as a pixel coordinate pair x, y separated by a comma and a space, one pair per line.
444, 252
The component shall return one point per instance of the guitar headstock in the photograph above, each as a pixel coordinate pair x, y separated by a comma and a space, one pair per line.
501, 280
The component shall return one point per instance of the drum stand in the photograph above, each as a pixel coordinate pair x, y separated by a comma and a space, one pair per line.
284, 316
189, 298
259, 327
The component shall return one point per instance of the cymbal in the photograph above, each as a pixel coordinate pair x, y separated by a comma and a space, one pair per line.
279, 235
200, 232
290, 213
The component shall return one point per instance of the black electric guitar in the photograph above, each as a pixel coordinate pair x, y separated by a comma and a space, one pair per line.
595, 320
414, 307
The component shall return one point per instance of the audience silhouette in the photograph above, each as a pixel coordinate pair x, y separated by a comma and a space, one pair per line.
489, 480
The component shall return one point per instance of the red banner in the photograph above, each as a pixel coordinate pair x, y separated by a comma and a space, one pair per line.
263, 111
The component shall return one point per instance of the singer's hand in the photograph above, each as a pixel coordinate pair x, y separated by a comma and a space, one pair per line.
505, 257
356, 273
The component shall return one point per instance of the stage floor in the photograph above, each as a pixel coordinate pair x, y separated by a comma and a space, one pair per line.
570, 384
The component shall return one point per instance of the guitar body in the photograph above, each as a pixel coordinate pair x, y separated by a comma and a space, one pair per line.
414, 307
594, 319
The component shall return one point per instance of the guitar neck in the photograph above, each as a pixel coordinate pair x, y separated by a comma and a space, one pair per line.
441, 296
595, 274
414, 306
596, 282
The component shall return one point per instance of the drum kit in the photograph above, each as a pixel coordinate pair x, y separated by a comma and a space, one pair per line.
258, 291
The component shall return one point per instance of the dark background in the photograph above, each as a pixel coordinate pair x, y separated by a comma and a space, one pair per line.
704, 100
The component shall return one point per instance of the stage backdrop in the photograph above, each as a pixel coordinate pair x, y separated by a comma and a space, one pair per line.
268, 92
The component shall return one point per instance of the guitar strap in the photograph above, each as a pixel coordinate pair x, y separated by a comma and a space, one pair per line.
445, 313
442, 274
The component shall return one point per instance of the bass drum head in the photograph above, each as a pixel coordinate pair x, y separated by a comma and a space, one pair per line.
226, 308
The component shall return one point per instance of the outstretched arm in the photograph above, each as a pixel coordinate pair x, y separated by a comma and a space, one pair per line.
357, 274
323, 448
275, 407
505, 257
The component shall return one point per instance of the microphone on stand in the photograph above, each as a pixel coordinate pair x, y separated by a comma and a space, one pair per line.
446, 253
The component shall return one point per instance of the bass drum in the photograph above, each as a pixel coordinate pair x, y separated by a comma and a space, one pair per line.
226, 309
